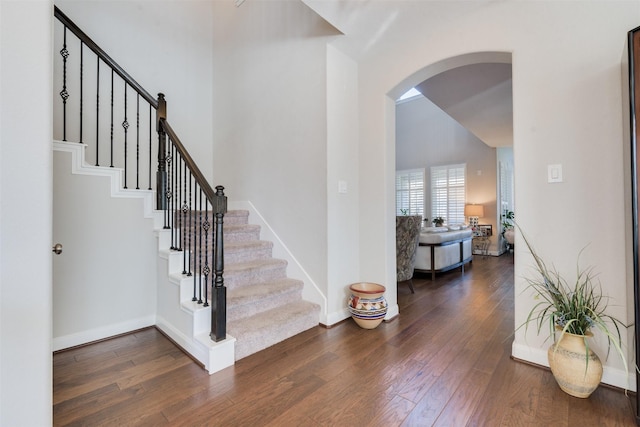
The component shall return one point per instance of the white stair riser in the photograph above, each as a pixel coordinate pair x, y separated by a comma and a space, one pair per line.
164, 239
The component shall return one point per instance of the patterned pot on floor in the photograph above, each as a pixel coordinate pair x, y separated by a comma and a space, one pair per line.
367, 304
577, 372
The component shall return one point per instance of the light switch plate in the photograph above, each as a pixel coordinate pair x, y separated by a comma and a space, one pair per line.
342, 187
554, 173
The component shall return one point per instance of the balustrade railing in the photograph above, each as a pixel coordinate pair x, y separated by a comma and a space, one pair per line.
193, 211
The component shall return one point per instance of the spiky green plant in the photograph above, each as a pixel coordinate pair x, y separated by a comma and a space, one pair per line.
575, 309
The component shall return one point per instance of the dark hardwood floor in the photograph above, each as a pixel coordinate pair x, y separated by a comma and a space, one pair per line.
444, 361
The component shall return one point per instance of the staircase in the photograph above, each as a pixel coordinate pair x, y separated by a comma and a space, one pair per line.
264, 306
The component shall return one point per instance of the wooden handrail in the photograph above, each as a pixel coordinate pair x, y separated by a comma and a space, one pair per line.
191, 164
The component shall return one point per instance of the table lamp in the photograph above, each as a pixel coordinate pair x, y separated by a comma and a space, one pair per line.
474, 212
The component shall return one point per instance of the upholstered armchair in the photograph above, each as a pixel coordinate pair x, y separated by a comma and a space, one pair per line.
407, 237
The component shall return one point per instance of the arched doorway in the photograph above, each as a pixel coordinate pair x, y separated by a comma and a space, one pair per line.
462, 115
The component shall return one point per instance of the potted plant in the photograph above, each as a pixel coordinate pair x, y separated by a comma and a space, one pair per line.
507, 220
572, 311
507, 227
438, 221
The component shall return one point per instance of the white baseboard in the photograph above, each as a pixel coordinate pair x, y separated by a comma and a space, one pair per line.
392, 312
214, 356
611, 376
337, 316
84, 337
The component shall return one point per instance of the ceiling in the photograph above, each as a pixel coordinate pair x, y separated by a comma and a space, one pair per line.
479, 97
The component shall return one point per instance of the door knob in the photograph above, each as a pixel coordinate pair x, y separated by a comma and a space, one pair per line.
57, 249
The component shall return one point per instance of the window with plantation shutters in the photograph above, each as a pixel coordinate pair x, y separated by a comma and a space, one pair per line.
448, 192
410, 192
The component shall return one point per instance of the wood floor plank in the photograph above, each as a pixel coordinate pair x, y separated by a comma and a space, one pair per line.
444, 361
89, 403
464, 400
206, 403
82, 383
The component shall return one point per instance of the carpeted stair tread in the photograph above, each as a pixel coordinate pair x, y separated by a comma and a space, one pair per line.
256, 264
276, 287
228, 229
241, 232
237, 246
235, 252
249, 300
255, 271
231, 217
265, 329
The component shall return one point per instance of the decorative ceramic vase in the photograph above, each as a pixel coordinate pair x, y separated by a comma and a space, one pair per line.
568, 362
367, 304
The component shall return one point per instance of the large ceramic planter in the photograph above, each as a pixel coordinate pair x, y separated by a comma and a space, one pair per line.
576, 373
367, 304
510, 235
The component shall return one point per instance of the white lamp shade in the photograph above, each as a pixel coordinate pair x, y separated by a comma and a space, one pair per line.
474, 210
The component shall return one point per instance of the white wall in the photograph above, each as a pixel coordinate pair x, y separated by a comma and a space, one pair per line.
25, 213
567, 109
270, 119
104, 282
427, 136
343, 266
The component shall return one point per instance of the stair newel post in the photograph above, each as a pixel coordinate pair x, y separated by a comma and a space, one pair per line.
161, 173
219, 291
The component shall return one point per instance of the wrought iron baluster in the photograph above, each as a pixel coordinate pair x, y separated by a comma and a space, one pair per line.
161, 174
111, 164
125, 125
172, 178
151, 149
194, 250
63, 93
190, 227
202, 286
185, 210
138, 142
81, 85
168, 192
97, 111
162, 188
176, 196
206, 270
